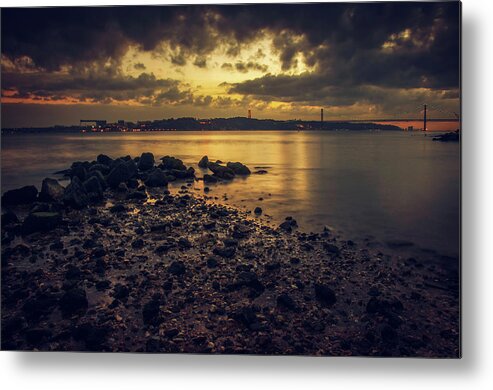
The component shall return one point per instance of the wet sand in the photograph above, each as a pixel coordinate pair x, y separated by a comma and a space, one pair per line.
179, 273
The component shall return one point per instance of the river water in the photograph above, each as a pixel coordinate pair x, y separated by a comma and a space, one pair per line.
389, 185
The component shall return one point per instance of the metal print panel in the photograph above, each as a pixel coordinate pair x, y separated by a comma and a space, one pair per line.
272, 179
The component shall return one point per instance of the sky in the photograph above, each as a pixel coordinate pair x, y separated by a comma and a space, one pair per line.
281, 61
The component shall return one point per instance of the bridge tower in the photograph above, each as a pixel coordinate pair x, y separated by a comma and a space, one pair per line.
424, 118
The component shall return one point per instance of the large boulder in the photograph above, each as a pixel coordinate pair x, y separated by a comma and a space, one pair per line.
172, 163
204, 162
104, 160
180, 174
79, 169
9, 217
146, 161
93, 188
75, 194
98, 175
104, 169
238, 168
51, 190
24, 195
123, 171
210, 179
221, 171
156, 178
40, 222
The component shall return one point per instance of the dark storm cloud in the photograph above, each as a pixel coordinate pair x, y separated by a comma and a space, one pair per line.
200, 62
93, 85
244, 67
391, 45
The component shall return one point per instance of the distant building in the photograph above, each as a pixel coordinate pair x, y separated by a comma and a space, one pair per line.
410, 128
121, 122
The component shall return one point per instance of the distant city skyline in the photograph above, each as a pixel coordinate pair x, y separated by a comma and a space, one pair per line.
356, 61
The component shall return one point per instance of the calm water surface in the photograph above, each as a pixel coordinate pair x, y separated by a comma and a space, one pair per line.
388, 185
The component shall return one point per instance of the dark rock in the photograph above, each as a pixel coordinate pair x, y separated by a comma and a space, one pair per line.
36, 336
40, 222
98, 252
374, 291
453, 136
132, 183
118, 208
146, 161
171, 333
102, 285
248, 317
248, 279
172, 163
8, 218
227, 252
104, 160
100, 177
221, 171
101, 168
73, 273
51, 191
120, 291
177, 268
230, 242
325, 295
122, 172
238, 168
93, 188
240, 231
140, 195
184, 243
260, 172
273, 266
75, 194
212, 262
210, 179
73, 301
208, 225
181, 174
137, 244
165, 247
286, 226
285, 301
258, 210
389, 335
79, 171
331, 249
157, 178
24, 195
94, 337
38, 306
204, 161
151, 313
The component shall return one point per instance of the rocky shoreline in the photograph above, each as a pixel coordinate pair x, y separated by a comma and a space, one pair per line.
115, 262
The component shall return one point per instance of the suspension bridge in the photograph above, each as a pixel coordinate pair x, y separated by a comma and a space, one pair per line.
423, 111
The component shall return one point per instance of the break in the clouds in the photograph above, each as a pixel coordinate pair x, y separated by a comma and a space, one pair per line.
352, 59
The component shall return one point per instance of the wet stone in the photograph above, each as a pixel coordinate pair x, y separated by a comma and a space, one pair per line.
177, 268
325, 295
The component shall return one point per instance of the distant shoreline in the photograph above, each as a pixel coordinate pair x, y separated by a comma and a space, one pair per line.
216, 124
